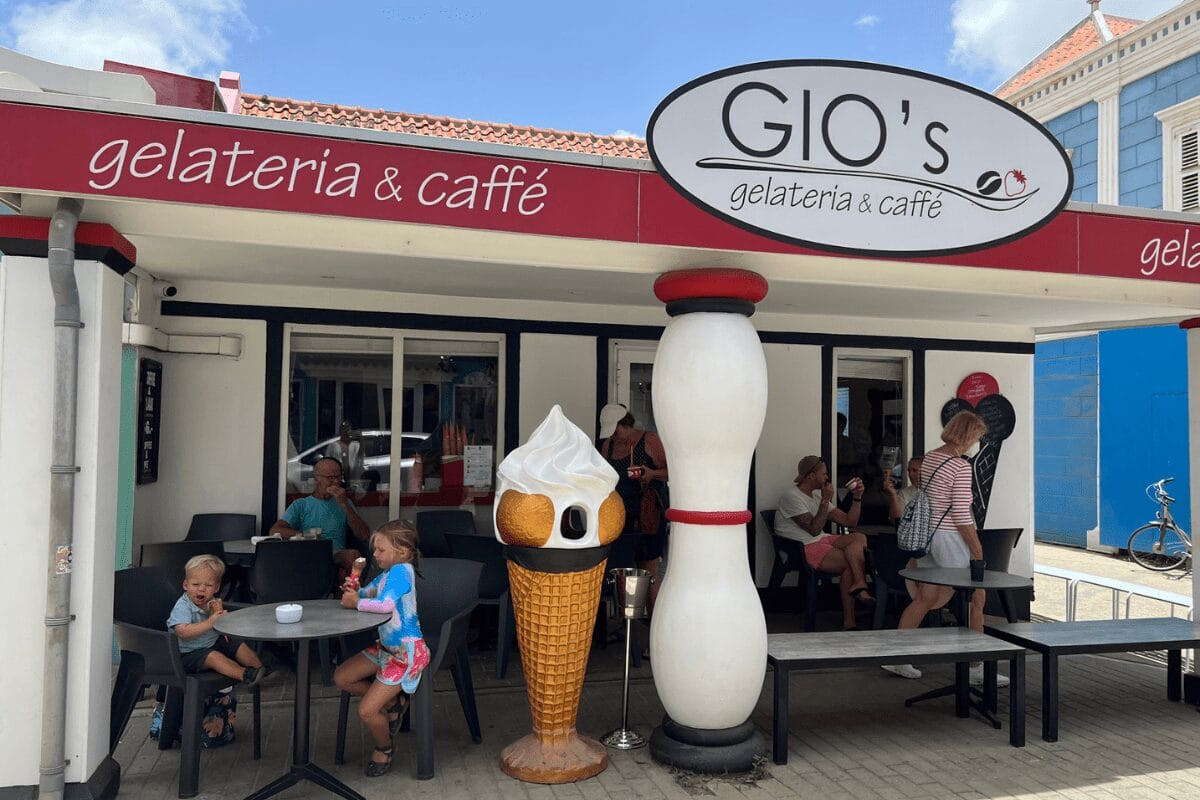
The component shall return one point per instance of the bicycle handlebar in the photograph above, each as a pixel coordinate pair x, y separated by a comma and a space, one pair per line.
1160, 493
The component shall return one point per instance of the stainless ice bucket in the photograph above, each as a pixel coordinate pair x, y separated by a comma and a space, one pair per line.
631, 588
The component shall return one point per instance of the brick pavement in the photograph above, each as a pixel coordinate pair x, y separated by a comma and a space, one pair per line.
851, 738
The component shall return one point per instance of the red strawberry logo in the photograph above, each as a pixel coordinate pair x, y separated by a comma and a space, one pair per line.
1014, 182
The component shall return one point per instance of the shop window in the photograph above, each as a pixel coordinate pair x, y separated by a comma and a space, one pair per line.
339, 396
451, 401
442, 452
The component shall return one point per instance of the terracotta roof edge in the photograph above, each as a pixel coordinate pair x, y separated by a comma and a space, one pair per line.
1000, 90
317, 106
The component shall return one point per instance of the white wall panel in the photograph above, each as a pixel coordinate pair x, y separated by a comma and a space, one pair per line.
1011, 503
212, 433
26, 390
792, 430
557, 369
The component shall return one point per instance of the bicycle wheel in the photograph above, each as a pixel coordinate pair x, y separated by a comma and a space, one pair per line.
1158, 547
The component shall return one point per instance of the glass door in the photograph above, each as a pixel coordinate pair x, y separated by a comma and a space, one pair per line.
632, 371
871, 428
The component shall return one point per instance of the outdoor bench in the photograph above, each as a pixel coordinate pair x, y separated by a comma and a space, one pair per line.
810, 651
1053, 639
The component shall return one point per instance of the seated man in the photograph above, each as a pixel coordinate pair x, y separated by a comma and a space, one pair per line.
898, 500
801, 516
327, 508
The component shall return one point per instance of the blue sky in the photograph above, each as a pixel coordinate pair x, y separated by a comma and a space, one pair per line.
598, 67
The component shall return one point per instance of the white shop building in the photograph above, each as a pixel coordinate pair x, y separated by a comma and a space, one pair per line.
290, 275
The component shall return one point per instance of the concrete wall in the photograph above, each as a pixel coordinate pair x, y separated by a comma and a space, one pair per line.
26, 385
1078, 131
1140, 162
1010, 505
212, 433
1066, 453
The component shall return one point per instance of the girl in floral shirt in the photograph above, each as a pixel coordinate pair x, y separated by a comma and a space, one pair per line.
388, 671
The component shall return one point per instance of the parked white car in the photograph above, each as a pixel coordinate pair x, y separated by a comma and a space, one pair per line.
377, 459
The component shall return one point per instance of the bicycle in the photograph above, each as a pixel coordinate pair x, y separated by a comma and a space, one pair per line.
1160, 545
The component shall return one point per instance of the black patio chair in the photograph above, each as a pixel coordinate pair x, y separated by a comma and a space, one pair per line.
887, 559
171, 557
142, 601
285, 572
447, 593
493, 587
432, 527
222, 527
998, 545
789, 558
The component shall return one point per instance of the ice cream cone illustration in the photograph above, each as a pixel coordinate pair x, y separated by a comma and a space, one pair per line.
557, 515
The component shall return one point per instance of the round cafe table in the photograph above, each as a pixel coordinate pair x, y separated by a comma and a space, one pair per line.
959, 579
322, 619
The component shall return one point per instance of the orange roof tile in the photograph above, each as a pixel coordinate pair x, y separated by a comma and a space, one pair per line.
1078, 42
447, 127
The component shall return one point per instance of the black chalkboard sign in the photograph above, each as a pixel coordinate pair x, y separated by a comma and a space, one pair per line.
149, 419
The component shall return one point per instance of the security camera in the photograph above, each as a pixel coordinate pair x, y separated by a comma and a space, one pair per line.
165, 289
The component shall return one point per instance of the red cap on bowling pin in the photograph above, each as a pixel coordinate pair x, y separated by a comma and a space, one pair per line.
720, 289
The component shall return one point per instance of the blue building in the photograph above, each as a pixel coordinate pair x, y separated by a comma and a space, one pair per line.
1123, 97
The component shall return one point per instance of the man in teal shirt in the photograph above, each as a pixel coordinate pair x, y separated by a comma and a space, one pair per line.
327, 508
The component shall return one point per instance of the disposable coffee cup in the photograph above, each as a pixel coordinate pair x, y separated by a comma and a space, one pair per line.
977, 566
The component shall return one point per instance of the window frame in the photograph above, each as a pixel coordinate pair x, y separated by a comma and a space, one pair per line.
397, 337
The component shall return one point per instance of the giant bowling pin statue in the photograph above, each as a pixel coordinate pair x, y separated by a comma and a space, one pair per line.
708, 637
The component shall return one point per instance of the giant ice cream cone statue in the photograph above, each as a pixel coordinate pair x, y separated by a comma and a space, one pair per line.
708, 637
557, 513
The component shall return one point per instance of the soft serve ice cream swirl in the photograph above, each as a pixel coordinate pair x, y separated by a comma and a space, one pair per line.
558, 468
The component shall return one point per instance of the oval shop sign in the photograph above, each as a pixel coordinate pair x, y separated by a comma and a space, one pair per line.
859, 158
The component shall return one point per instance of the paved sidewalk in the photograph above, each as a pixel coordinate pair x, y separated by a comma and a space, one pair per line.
851, 737
1093, 601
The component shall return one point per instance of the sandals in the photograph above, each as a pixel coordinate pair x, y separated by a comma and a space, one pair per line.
860, 596
397, 707
377, 769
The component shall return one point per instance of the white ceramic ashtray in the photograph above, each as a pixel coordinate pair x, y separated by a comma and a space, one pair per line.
288, 612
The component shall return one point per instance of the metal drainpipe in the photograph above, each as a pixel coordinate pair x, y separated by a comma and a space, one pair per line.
61, 259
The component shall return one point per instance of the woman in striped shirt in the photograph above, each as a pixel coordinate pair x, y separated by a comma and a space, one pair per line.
946, 478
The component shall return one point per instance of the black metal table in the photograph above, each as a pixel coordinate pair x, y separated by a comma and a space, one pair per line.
959, 579
1053, 639
323, 619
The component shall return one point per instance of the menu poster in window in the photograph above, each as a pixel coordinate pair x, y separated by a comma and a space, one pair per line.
478, 471
149, 419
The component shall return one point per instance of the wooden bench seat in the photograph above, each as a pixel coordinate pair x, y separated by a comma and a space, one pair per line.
843, 649
1054, 639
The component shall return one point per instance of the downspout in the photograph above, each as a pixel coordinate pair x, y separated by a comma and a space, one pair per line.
61, 260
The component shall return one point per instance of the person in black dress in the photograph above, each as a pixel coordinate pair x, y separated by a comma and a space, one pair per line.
641, 463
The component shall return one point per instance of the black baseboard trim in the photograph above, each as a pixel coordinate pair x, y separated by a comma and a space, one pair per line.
103, 785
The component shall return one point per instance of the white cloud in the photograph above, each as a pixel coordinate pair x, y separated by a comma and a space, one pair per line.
621, 133
995, 38
867, 21
188, 36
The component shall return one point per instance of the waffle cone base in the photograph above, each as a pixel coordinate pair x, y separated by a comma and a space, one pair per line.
572, 758
555, 615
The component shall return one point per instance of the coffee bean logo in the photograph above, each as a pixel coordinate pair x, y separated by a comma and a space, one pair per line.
989, 182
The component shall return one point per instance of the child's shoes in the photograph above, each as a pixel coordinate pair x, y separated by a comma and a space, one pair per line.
252, 675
